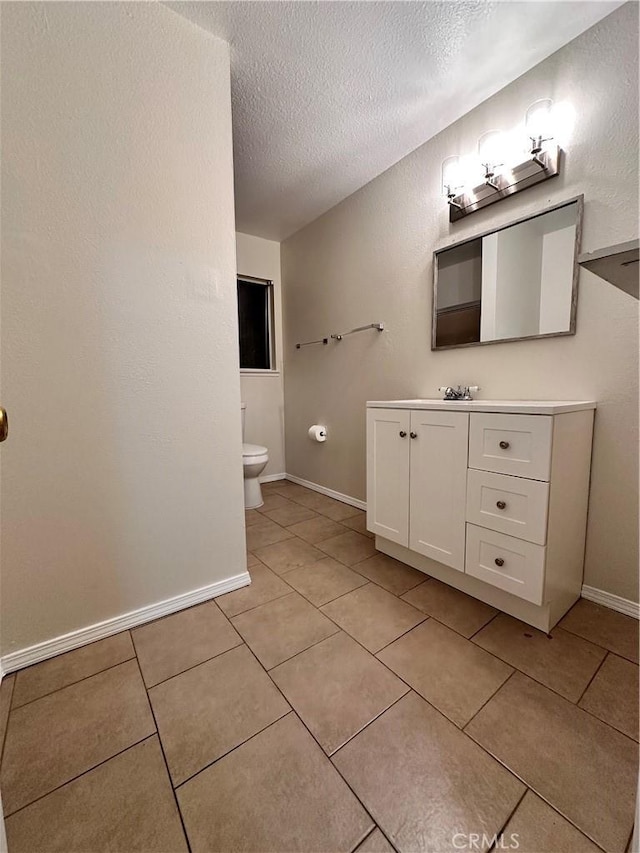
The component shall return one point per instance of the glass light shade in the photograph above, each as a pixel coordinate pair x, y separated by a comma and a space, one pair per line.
452, 178
491, 149
538, 119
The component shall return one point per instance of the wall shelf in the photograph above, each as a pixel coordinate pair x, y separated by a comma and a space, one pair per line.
616, 264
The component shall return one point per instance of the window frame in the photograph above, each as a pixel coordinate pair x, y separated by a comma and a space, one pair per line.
271, 327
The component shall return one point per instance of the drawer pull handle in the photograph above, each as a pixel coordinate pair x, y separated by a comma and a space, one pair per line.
504, 445
501, 505
499, 561
413, 434
403, 434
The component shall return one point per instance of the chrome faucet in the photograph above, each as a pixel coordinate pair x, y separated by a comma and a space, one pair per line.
459, 392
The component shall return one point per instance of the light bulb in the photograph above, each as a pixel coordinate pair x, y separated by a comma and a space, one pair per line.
491, 151
452, 180
539, 124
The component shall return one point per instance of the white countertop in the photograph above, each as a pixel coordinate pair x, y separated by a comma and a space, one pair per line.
520, 407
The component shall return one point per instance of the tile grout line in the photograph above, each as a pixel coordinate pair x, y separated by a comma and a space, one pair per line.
71, 683
6, 728
536, 791
589, 683
500, 832
80, 775
164, 757
329, 759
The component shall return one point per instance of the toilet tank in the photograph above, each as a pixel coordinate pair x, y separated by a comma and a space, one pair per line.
243, 407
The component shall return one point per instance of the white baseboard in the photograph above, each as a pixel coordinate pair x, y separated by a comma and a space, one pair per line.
613, 602
346, 499
271, 478
83, 636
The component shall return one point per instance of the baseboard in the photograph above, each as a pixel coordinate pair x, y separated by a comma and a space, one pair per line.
83, 636
613, 602
346, 499
271, 478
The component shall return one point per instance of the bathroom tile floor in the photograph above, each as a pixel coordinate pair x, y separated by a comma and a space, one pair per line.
341, 702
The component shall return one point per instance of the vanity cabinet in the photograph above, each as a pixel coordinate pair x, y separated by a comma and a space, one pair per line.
490, 497
416, 480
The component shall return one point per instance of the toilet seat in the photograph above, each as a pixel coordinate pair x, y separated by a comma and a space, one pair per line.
251, 450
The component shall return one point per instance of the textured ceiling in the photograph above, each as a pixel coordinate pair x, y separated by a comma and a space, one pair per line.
328, 95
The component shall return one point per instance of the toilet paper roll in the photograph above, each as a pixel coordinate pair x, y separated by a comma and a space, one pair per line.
317, 432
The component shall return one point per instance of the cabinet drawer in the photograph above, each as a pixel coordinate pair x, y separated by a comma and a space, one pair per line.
511, 444
510, 564
510, 505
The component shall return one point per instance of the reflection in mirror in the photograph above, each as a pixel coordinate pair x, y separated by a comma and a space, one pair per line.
515, 282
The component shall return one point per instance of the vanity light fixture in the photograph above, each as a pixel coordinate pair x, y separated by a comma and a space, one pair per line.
501, 176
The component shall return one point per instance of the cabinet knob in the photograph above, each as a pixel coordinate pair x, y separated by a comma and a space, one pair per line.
413, 434
403, 434
499, 561
501, 505
504, 445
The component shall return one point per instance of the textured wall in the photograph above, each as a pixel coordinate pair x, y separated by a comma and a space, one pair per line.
122, 476
370, 259
264, 394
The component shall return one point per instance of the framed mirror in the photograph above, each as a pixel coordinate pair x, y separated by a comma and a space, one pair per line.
519, 281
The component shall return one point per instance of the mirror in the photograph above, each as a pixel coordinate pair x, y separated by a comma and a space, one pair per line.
519, 281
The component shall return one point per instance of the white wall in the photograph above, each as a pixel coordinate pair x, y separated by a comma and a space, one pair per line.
122, 475
370, 259
263, 391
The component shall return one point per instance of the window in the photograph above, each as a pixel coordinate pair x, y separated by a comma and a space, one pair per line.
255, 323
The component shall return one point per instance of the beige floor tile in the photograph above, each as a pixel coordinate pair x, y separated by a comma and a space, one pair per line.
212, 708
350, 547
60, 671
324, 580
280, 629
277, 792
337, 510
317, 529
182, 640
359, 524
290, 490
446, 669
536, 828
264, 586
459, 611
394, 576
265, 533
423, 780
373, 616
273, 501
605, 627
561, 661
292, 514
252, 516
567, 756
613, 695
57, 737
252, 560
337, 688
6, 692
375, 843
124, 804
285, 556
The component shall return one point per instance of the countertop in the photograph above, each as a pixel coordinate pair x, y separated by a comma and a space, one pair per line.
520, 407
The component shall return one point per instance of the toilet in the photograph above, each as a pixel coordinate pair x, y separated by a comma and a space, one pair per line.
254, 459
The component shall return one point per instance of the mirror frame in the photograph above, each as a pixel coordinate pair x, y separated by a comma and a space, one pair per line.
579, 201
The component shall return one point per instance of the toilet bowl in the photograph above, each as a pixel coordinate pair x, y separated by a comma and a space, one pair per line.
254, 460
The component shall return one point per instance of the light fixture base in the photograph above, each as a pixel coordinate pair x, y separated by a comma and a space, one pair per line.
528, 173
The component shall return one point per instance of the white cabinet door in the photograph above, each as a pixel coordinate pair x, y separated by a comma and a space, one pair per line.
388, 473
438, 485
